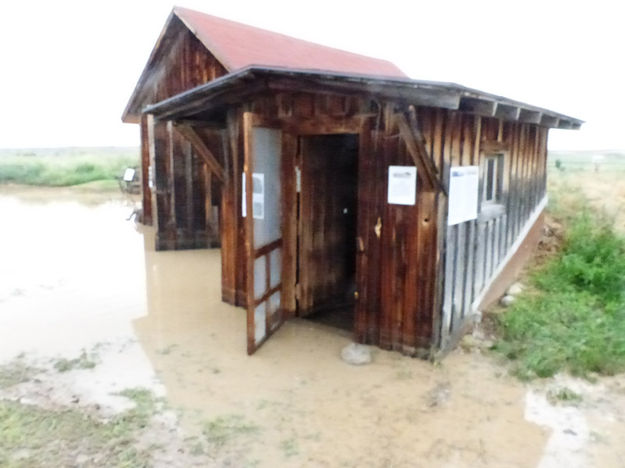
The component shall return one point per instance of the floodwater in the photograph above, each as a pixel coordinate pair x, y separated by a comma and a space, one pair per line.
75, 275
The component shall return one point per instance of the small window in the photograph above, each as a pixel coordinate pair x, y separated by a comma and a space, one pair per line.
493, 179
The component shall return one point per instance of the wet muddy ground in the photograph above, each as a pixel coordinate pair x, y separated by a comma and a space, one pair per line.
90, 310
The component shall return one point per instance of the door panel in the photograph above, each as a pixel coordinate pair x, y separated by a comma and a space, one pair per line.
263, 207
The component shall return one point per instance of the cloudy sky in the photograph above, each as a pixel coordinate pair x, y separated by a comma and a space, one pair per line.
68, 67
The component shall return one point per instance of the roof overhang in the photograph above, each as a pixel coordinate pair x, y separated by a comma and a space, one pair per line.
237, 86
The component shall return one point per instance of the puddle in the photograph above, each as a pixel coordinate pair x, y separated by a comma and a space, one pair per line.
77, 276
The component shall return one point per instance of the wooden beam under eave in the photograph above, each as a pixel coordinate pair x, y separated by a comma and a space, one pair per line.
202, 150
478, 106
506, 112
417, 151
213, 125
550, 121
530, 116
565, 124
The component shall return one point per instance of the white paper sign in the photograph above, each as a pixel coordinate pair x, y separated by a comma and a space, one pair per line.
463, 194
243, 196
129, 174
151, 177
258, 196
402, 185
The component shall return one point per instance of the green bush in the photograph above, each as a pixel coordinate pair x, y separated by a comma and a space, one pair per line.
65, 167
573, 316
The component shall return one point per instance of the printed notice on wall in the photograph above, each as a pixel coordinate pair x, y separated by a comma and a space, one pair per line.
258, 196
129, 174
151, 177
243, 196
402, 185
463, 194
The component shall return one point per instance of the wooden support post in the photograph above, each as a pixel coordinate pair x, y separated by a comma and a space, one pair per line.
159, 149
146, 191
231, 277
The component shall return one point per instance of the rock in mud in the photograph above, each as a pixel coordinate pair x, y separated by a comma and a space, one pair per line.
515, 289
507, 300
356, 354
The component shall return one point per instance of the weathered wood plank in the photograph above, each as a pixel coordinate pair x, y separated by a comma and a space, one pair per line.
459, 269
365, 171
289, 226
146, 191
248, 168
428, 310
232, 276
450, 259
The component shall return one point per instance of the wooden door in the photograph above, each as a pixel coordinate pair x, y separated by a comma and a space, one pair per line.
327, 222
262, 209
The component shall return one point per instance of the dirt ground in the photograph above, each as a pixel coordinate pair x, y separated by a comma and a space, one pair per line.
91, 316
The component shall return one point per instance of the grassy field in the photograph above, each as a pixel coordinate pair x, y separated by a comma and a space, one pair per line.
576, 161
59, 167
572, 315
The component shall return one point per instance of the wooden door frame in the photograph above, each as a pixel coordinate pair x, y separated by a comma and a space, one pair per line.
354, 128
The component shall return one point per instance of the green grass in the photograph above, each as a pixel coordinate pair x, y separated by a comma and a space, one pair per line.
32, 436
563, 395
289, 447
575, 161
81, 362
220, 430
572, 318
16, 372
65, 166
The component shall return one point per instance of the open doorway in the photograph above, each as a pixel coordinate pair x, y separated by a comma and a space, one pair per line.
327, 207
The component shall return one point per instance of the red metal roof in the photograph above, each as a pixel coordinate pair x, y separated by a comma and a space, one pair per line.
238, 45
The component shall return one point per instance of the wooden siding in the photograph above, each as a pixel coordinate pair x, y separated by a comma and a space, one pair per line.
184, 195
416, 278
474, 249
185, 64
146, 190
179, 62
396, 261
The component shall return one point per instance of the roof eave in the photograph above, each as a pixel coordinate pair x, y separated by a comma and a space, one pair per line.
424, 93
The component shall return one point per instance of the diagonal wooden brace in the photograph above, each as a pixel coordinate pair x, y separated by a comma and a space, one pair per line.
201, 149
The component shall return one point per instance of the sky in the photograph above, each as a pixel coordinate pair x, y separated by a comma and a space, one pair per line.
67, 68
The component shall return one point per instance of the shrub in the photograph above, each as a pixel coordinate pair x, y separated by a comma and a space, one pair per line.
573, 315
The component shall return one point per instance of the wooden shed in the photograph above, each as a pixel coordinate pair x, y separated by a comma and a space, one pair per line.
334, 184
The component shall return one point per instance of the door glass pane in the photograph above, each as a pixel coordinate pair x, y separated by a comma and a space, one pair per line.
273, 305
275, 267
260, 325
260, 276
267, 143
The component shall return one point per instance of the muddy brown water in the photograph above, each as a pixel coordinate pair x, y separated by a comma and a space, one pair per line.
77, 276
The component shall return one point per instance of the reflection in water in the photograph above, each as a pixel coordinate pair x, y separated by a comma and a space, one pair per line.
75, 276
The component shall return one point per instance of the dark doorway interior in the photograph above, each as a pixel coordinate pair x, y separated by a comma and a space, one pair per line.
327, 228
